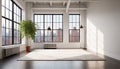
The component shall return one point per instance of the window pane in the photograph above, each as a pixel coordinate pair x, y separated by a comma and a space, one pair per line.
3, 32
7, 22
60, 18
48, 25
55, 26
74, 31
8, 40
54, 18
15, 36
7, 13
7, 3
48, 36
15, 33
3, 22
70, 19
10, 14
15, 26
19, 19
18, 39
15, 9
48, 18
39, 25
43, 22
15, 17
39, 18
77, 18
19, 12
36, 18
74, 35
3, 40
10, 5
39, 36
57, 35
10, 24
8, 32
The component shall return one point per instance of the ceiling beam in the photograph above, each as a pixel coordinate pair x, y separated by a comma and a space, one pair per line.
64, 3
64, 9
52, 0
68, 5
51, 3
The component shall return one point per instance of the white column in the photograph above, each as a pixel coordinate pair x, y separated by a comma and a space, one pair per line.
29, 16
65, 29
28, 11
0, 30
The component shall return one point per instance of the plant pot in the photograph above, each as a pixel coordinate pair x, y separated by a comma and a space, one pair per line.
28, 49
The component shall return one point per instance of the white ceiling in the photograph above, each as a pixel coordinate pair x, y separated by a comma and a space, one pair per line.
58, 0
66, 3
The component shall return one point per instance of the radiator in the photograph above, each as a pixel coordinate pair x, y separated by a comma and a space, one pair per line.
10, 51
49, 46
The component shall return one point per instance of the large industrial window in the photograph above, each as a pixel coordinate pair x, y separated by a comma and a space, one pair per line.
49, 27
74, 28
11, 16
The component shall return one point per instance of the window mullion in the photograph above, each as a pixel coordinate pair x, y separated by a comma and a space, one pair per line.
43, 28
5, 21
52, 28
12, 23
19, 24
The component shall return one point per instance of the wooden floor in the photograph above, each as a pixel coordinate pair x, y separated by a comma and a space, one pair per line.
12, 63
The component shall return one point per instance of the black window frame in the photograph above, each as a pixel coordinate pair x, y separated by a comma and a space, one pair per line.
73, 29
46, 29
11, 10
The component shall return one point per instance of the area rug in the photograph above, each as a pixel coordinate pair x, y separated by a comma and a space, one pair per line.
61, 55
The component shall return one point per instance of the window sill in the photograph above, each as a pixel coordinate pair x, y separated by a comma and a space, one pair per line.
12, 46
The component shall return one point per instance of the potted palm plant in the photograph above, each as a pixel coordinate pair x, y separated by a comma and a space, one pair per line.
28, 30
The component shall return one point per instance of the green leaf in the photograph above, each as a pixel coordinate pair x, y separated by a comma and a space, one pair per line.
27, 29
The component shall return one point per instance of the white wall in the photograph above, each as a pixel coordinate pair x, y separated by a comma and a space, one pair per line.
65, 44
103, 27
